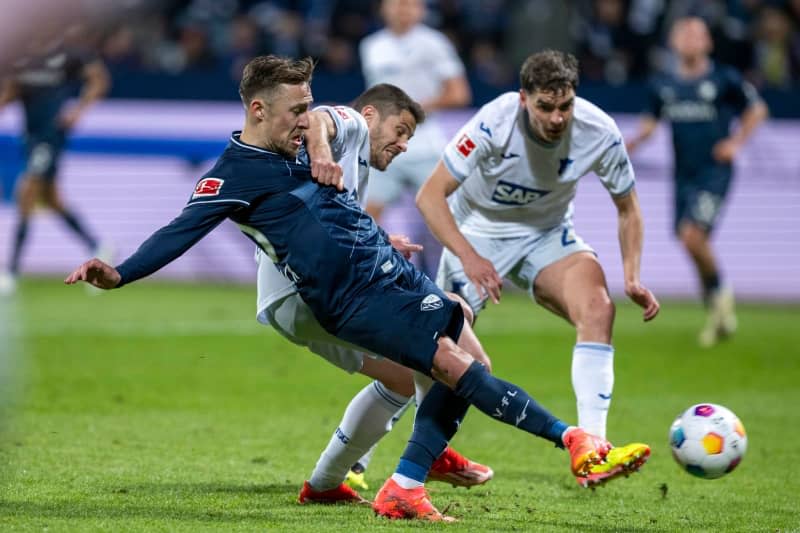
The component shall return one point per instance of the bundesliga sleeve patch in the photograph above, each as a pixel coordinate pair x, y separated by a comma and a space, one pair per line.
341, 112
465, 146
208, 187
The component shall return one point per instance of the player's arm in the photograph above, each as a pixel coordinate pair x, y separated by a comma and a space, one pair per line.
96, 83
320, 132
631, 240
432, 203
647, 125
726, 149
160, 249
8, 92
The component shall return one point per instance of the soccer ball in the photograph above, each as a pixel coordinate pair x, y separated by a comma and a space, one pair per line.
708, 440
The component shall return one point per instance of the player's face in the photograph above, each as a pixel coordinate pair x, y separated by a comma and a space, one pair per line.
401, 15
388, 137
690, 38
285, 118
549, 113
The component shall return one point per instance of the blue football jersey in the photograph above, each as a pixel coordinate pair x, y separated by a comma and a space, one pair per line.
700, 111
319, 237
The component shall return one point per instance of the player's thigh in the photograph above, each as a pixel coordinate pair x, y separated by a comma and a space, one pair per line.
700, 202
43, 154
403, 320
293, 319
504, 254
574, 286
546, 270
395, 377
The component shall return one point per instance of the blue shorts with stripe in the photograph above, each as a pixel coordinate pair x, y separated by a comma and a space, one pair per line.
402, 320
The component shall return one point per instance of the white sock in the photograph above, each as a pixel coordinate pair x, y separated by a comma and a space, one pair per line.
366, 419
367, 457
593, 382
406, 482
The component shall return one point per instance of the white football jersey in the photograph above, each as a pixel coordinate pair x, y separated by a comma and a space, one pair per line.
350, 148
418, 62
513, 185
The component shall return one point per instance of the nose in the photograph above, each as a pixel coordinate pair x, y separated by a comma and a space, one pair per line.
403, 144
557, 118
303, 122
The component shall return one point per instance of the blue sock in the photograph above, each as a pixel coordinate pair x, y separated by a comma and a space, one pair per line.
75, 225
19, 241
437, 420
509, 403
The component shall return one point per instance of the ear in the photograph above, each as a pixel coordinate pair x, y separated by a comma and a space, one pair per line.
370, 114
257, 108
523, 97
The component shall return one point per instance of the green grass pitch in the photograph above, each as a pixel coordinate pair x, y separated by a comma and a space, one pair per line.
168, 408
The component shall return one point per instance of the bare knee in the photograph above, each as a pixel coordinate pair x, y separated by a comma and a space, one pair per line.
450, 362
596, 318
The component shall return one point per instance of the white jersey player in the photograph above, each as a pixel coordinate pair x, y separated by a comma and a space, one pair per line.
423, 62
357, 141
511, 174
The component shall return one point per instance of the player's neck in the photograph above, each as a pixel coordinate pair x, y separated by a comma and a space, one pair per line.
249, 137
694, 67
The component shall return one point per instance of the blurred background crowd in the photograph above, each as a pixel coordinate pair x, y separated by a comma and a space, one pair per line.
199, 46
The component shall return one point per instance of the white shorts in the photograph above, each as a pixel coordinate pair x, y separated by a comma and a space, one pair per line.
519, 259
293, 319
403, 174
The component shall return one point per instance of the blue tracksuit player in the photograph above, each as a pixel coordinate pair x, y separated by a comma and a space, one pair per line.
699, 100
357, 286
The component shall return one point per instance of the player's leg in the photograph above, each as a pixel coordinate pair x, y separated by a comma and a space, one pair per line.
28, 193
52, 199
697, 210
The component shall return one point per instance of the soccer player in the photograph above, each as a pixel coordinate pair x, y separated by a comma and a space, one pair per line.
700, 99
358, 287
423, 62
43, 84
357, 140
512, 172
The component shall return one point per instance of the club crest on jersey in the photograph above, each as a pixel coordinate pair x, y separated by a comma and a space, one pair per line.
507, 193
431, 303
465, 145
208, 187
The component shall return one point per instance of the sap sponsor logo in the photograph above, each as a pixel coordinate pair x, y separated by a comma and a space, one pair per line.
431, 302
512, 194
465, 145
208, 187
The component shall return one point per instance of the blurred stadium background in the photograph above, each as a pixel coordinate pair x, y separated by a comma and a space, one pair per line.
133, 159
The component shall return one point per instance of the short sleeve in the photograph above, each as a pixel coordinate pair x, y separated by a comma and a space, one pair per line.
469, 146
739, 93
445, 58
348, 126
614, 167
654, 102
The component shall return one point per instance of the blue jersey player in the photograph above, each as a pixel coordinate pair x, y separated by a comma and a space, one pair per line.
699, 100
43, 84
357, 286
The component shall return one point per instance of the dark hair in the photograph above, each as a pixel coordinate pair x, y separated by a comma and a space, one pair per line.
389, 100
549, 70
266, 73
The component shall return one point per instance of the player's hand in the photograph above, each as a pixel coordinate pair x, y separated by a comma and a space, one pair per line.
645, 299
69, 118
725, 150
483, 276
403, 244
96, 273
328, 173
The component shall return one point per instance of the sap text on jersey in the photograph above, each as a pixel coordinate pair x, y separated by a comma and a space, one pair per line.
512, 194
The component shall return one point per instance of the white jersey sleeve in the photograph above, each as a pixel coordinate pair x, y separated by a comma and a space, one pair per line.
350, 148
482, 137
613, 165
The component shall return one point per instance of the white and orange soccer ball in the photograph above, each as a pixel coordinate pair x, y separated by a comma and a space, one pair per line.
708, 440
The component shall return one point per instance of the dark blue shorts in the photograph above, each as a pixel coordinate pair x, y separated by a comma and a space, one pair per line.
42, 153
700, 195
404, 319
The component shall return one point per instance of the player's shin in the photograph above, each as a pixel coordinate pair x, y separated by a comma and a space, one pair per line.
366, 420
593, 382
508, 403
437, 420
